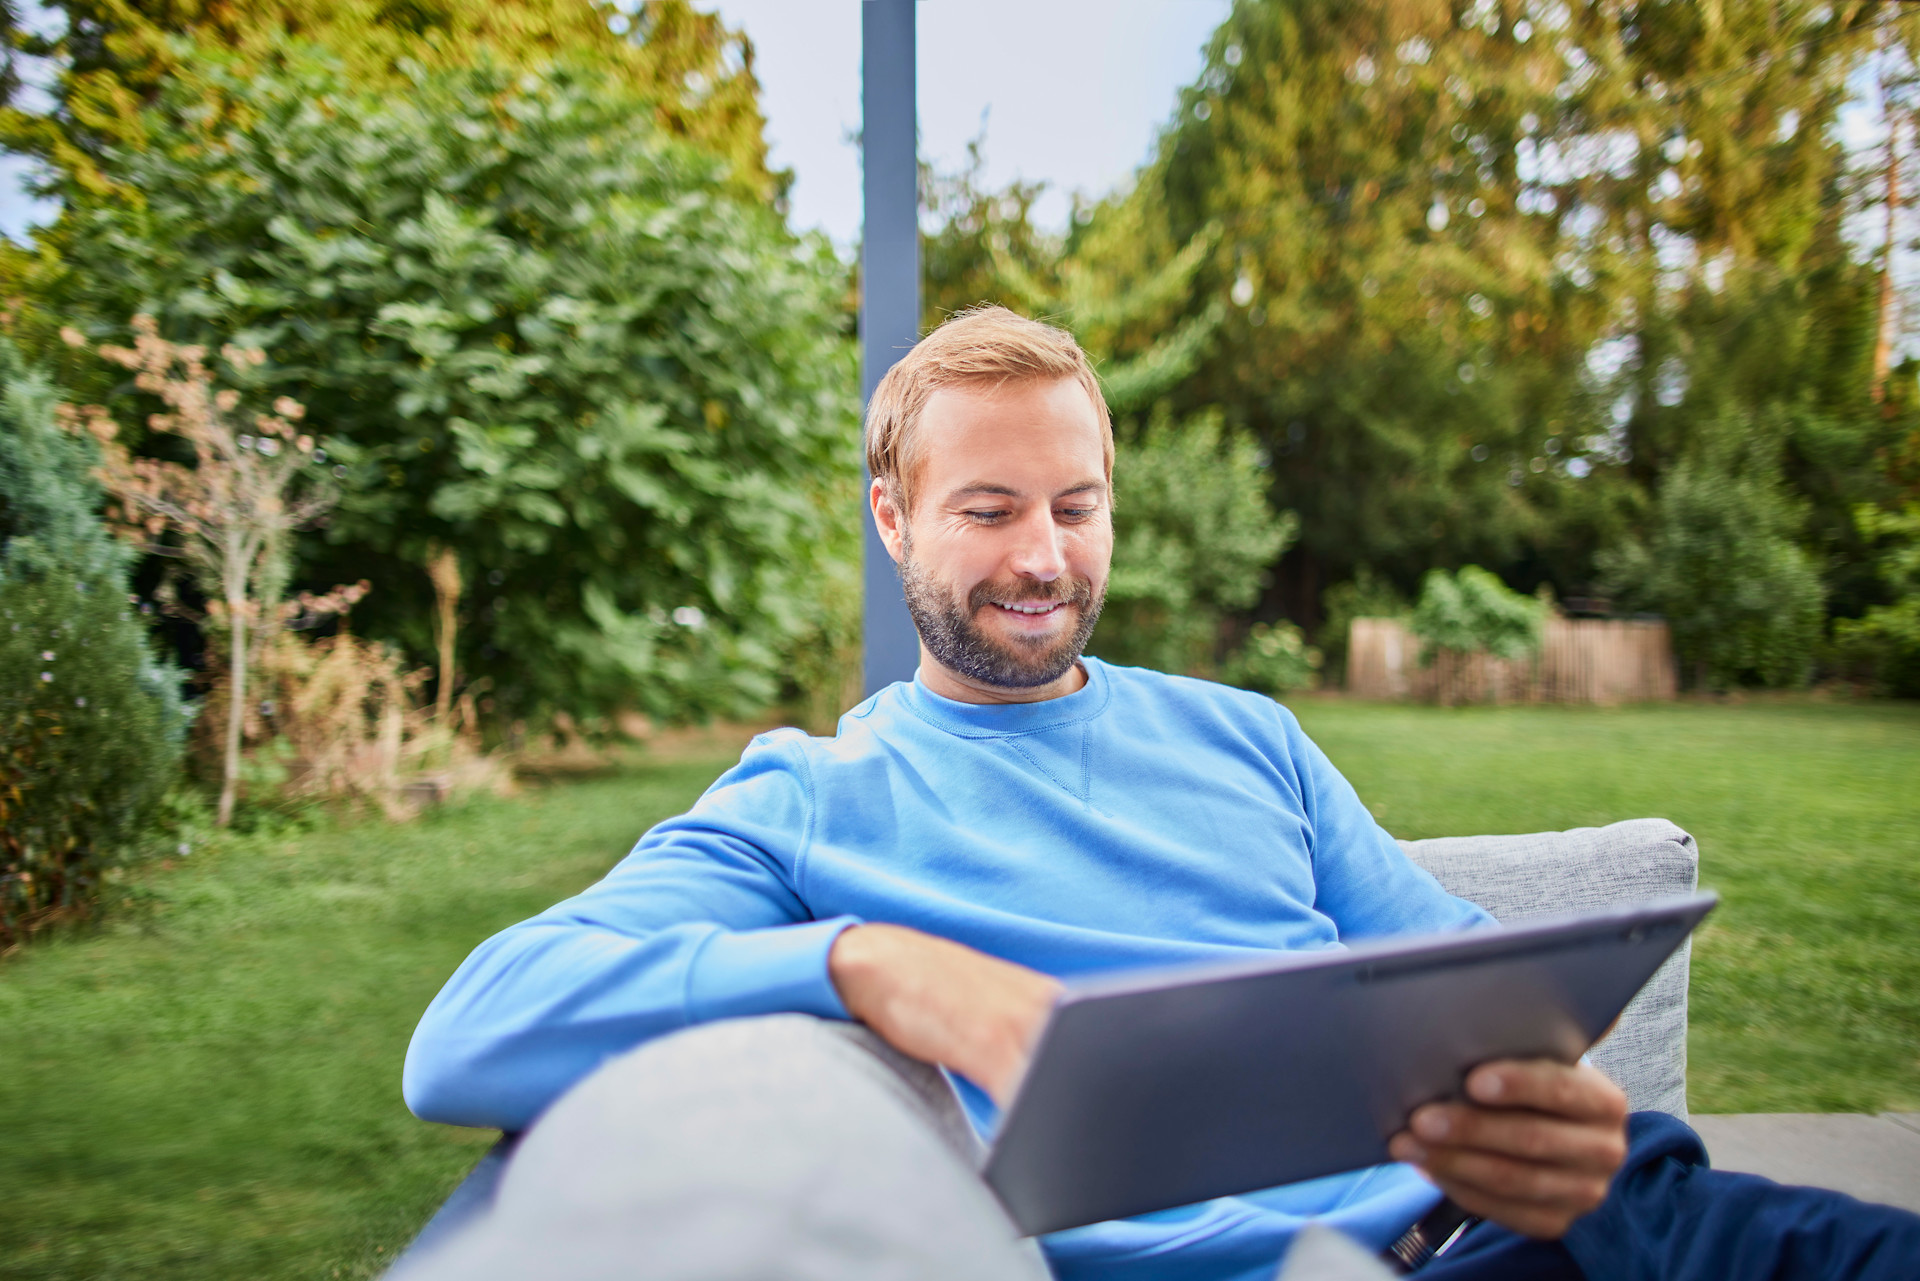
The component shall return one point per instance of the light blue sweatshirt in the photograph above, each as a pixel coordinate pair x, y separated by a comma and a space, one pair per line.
1142, 821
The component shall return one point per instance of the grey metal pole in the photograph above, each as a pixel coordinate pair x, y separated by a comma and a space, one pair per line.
889, 289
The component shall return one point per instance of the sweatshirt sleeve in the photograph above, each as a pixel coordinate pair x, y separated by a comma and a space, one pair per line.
1363, 880
702, 921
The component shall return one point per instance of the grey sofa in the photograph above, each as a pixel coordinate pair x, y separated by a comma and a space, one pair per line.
1513, 877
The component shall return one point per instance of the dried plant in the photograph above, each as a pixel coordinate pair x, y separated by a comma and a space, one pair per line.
253, 483
444, 569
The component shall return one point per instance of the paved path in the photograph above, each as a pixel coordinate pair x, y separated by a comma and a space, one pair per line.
1876, 1158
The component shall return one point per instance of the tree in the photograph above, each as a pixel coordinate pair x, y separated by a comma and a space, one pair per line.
534, 329
117, 58
1486, 269
253, 484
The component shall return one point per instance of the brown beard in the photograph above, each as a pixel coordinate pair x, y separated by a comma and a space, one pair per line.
952, 637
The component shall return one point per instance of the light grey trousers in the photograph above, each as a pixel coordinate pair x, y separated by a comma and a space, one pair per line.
785, 1147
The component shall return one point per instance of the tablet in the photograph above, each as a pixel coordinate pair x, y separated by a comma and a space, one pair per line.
1159, 1088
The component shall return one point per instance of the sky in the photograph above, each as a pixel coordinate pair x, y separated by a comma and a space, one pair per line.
1069, 92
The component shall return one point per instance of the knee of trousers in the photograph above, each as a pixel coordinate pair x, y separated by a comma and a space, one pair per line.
780, 1146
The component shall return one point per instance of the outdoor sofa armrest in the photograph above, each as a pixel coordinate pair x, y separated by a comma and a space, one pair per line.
1515, 877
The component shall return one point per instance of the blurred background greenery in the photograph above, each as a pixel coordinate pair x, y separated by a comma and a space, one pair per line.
1597, 299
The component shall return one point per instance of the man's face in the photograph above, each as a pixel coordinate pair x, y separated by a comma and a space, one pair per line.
1006, 552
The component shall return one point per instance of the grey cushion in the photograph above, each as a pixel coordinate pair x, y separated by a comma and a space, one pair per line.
1515, 877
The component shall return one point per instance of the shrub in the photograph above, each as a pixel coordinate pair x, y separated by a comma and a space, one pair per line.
1193, 535
1275, 660
1744, 600
1885, 644
90, 722
1474, 612
85, 748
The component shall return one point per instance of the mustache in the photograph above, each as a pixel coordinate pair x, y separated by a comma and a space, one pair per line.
1077, 591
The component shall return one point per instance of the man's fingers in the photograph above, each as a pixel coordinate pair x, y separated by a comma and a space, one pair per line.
1532, 1199
1577, 1092
1507, 1179
1528, 1136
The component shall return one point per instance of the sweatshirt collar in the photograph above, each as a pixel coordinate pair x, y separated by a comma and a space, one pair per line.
977, 720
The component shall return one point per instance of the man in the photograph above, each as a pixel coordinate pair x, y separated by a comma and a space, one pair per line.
1017, 815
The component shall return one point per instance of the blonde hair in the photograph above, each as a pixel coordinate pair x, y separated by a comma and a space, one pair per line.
979, 346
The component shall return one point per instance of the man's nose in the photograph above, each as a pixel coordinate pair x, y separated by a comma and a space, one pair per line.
1037, 551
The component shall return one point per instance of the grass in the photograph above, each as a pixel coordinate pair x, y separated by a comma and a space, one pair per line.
211, 1089
1806, 980
214, 1090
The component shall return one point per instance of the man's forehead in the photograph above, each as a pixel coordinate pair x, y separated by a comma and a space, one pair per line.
1028, 422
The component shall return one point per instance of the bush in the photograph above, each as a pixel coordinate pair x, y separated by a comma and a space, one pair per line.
1193, 536
528, 326
1275, 660
86, 751
1474, 612
1885, 644
1744, 600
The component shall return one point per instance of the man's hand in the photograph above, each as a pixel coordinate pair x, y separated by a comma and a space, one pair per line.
943, 1003
1533, 1151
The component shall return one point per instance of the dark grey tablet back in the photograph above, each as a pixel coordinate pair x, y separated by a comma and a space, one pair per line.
1159, 1089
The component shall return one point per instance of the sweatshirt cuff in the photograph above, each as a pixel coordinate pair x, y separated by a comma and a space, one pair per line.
782, 970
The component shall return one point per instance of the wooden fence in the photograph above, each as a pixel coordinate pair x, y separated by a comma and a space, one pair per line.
1583, 661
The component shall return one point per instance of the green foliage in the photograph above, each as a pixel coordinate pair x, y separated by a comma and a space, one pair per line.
1722, 563
86, 751
114, 57
49, 500
91, 724
1275, 659
1192, 537
526, 325
1886, 642
1474, 612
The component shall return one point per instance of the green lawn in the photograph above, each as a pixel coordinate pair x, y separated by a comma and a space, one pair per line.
213, 1090
216, 1094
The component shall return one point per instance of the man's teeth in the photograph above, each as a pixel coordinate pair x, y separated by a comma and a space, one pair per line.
1030, 607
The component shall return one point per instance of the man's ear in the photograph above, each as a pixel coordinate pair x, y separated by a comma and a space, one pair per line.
888, 519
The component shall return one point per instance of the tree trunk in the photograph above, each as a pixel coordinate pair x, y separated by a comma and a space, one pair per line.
236, 708
1883, 320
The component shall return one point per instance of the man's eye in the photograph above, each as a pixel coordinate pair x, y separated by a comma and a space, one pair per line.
986, 517
1077, 513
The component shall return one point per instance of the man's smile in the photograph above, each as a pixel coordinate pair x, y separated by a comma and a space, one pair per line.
1030, 606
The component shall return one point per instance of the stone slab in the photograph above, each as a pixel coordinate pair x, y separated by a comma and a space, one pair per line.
1876, 1158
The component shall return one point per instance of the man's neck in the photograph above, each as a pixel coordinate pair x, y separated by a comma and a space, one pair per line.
948, 683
